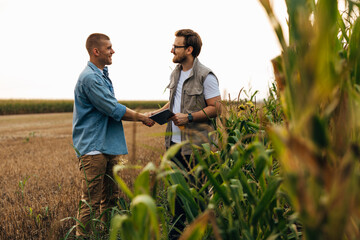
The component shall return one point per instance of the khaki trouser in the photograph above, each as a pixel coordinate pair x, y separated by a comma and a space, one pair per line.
97, 189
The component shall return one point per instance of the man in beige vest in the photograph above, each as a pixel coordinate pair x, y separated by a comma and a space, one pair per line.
195, 100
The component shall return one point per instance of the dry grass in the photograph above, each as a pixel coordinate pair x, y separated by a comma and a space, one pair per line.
39, 182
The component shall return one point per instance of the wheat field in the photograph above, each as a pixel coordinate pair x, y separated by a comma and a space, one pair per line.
39, 182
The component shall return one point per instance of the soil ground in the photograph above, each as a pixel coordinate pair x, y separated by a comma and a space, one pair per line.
39, 181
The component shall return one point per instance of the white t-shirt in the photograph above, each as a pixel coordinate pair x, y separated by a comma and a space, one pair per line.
211, 89
93, 153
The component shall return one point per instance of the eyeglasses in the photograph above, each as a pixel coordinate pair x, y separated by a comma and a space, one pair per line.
175, 47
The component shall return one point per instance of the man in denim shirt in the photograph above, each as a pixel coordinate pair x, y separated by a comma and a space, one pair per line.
98, 133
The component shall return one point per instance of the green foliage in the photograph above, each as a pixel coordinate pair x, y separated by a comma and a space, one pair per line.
31, 135
272, 106
142, 222
22, 184
13, 106
246, 197
318, 72
232, 192
38, 218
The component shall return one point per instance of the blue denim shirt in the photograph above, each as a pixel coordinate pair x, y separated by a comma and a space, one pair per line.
97, 114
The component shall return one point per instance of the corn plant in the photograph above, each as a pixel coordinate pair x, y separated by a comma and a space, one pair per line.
232, 192
318, 146
273, 111
243, 179
22, 184
142, 222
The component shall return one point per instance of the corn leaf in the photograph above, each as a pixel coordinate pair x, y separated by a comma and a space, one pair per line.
116, 226
142, 183
354, 52
171, 197
266, 199
260, 164
121, 182
144, 206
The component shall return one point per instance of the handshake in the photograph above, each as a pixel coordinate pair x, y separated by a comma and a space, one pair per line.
146, 120
164, 116
160, 117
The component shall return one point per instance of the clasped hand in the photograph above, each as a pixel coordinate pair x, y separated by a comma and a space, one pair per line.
180, 119
148, 121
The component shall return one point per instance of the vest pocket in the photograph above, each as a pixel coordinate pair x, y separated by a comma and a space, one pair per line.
194, 91
171, 87
194, 99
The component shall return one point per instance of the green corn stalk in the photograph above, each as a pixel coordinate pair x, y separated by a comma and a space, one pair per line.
318, 72
22, 184
142, 222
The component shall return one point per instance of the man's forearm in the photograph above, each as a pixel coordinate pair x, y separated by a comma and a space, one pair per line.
201, 116
212, 110
204, 114
131, 115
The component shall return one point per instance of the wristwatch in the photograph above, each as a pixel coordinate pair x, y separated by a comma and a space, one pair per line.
190, 117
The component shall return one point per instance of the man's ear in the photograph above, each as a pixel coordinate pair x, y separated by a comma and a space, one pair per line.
96, 52
189, 50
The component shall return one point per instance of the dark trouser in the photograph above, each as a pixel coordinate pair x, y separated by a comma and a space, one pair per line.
180, 214
97, 189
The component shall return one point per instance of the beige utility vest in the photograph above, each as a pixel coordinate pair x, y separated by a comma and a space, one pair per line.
192, 100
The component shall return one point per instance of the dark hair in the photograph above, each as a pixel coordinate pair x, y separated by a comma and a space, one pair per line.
94, 40
191, 39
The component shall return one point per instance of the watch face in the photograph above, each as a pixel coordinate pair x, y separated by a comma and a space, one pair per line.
190, 117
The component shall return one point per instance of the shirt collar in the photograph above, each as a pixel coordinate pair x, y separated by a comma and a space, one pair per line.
104, 72
94, 67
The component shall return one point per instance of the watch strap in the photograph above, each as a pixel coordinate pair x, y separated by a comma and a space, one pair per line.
190, 118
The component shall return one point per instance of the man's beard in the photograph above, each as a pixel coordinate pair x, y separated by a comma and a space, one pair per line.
179, 59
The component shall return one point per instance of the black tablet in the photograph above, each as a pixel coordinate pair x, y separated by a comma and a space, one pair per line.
163, 116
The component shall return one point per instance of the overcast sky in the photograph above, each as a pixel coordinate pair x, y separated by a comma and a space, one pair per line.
43, 44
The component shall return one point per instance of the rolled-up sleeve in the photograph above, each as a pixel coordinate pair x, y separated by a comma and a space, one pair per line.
103, 99
118, 112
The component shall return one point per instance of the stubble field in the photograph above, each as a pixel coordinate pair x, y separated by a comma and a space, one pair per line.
39, 182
